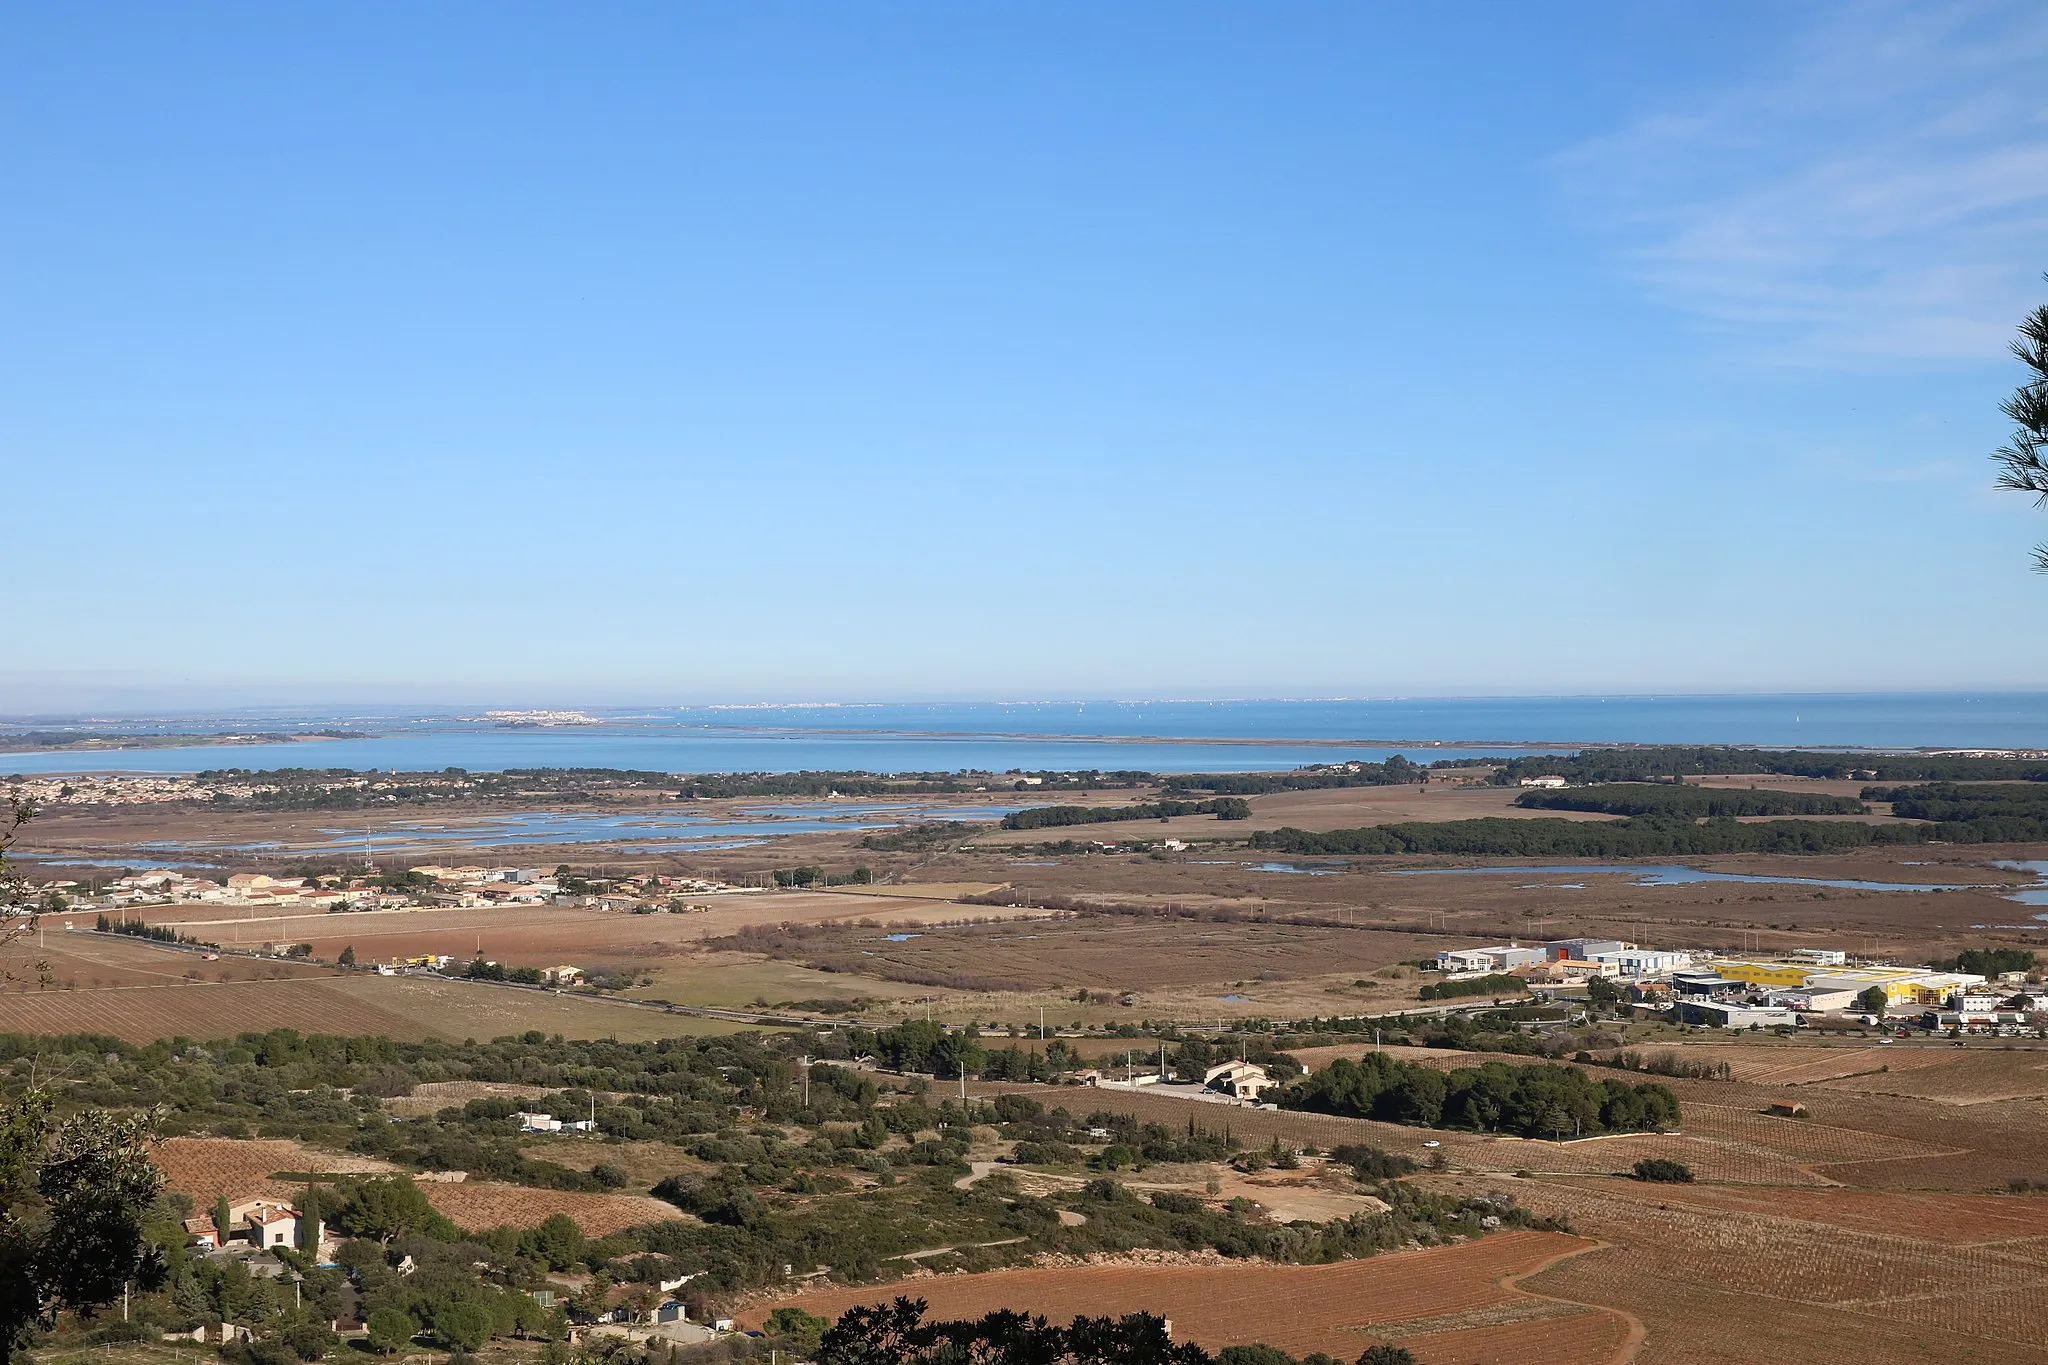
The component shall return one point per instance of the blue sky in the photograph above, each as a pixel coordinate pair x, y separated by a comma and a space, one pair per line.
659, 352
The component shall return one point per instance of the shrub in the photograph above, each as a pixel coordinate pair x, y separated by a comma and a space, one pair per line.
310, 1340
801, 1330
1659, 1169
1258, 1353
1171, 1201
1372, 1163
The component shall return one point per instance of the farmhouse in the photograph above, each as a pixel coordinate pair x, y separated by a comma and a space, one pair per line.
1241, 1080
267, 1223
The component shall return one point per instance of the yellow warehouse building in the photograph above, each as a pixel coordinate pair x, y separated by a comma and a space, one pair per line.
1902, 985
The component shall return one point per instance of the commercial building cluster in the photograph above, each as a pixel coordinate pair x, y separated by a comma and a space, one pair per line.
1763, 992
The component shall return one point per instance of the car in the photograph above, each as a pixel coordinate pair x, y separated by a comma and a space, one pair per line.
1432, 1143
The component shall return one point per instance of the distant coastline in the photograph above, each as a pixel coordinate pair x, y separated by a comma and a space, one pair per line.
73, 741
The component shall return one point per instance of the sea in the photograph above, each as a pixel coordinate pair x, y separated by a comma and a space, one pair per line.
1064, 736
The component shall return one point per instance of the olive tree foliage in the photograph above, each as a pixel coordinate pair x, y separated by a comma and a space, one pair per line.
17, 898
2023, 460
74, 1192
74, 1189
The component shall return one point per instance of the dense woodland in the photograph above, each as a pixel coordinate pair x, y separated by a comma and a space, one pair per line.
2013, 812
1494, 1097
1692, 803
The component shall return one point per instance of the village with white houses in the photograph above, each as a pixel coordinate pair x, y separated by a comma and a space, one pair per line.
426, 886
429, 884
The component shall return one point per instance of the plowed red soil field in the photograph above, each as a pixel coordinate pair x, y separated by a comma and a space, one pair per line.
473, 1205
1974, 1076
1944, 1219
1832, 1262
1450, 1293
1698, 1321
143, 1014
240, 1168
84, 961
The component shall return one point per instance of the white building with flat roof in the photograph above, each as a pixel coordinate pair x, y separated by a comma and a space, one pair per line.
1645, 961
1499, 958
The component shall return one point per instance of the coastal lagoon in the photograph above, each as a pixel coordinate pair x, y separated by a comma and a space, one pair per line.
1167, 737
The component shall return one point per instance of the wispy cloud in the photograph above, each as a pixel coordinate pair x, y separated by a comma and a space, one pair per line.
1880, 194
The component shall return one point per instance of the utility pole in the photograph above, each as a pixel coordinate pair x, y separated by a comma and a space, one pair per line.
805, 1062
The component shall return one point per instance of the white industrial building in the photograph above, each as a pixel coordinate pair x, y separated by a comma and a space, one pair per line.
1633, 961
1728, 1014
1815, 998
1494, 959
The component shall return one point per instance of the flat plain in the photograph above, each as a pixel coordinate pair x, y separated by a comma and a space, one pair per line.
1878, 1228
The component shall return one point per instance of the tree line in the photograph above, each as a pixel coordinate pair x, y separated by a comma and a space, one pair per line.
1496, 983
1651, 762
1640, 837
1047, 817
156, 933
1988, 962
1395, 772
